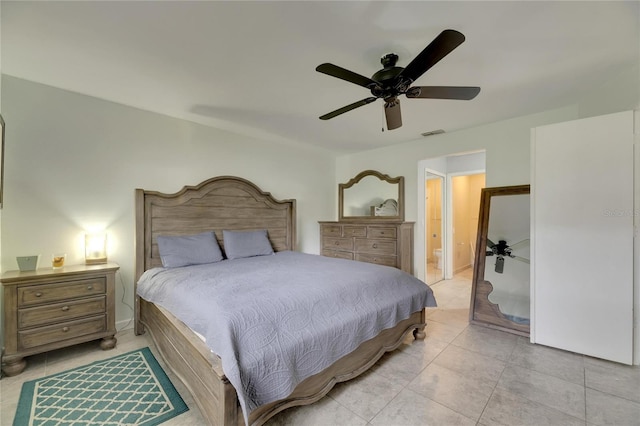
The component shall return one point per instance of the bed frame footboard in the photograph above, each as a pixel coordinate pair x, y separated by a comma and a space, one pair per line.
200, 371
193, 363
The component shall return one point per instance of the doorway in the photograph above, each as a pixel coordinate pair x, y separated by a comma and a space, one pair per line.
435, 225
437, 243
465, 208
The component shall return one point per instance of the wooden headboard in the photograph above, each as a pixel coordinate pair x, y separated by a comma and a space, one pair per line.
220, 203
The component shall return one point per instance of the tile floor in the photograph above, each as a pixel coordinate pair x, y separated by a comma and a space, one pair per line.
459, 375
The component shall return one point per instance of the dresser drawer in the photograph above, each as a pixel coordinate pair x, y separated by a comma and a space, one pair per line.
45, 293
380, 232
355, 231
378, 260
385, 247
332, 230
59, 332
339, 254
337, 243
48, 314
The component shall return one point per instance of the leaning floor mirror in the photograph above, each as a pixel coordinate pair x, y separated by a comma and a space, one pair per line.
500, 291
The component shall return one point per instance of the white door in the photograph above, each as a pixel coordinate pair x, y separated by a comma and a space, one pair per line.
582, 236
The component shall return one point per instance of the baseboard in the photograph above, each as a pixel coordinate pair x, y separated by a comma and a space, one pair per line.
124, 324
462, 268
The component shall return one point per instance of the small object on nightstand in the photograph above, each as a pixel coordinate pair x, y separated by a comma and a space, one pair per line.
57, 260
27, 263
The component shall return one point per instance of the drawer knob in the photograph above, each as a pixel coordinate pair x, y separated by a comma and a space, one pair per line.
375, 246
337, 243
38, 294
65, 308
89, 287
65, 329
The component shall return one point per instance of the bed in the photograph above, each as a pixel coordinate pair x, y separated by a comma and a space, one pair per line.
233, 204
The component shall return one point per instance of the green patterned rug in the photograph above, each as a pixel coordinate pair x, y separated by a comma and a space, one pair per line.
130, 389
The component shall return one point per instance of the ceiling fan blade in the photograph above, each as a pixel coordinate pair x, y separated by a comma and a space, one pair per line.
345, 74
440, 47
490, 243
519, 243
347, 108
463, 93
392, 113
521, 259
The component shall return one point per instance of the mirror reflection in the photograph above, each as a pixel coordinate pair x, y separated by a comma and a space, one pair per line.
368, 197
507, 256
371, 194
501, 288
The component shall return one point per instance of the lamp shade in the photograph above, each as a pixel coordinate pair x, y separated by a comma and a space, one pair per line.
95, 248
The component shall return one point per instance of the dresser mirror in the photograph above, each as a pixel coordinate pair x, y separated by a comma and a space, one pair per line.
371, 195
500, 290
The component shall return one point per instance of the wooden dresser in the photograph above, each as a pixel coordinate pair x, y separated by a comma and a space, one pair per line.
49, 309
385, 242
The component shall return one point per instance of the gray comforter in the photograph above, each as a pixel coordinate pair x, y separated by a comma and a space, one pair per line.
276, 320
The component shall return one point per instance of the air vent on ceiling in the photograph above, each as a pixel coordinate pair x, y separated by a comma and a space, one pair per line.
433, 132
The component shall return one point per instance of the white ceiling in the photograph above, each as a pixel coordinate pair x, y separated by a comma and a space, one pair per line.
249, 67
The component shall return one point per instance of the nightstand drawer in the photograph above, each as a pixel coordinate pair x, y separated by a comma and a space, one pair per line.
378, 260
379, 232
338, 254
376, 246
45, 293
48, 314
63, 331
337, 243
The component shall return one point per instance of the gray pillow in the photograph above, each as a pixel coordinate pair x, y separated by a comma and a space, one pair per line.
186, 250
239, 244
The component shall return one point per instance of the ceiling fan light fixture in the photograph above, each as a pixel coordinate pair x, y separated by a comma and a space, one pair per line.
432, 132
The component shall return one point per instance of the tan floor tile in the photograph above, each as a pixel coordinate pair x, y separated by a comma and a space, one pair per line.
555, 362
494, 343
605, 409
507, 409
424, 351
548, 390
443, 332
323, 413
399, 367
457, 317
471, 364
412, 409
453, 390
615, 379
367, 394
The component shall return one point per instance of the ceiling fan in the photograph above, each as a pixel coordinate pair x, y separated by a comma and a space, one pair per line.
391, 80
501, 250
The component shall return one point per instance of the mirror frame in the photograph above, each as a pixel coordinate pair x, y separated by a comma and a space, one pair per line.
385, 178
482, 311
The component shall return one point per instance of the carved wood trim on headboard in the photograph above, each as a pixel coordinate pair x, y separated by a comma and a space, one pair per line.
217, 204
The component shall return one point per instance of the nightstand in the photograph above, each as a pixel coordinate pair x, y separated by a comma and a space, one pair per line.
49, 309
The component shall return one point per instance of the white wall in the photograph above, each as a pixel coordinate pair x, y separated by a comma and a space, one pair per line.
73, 162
